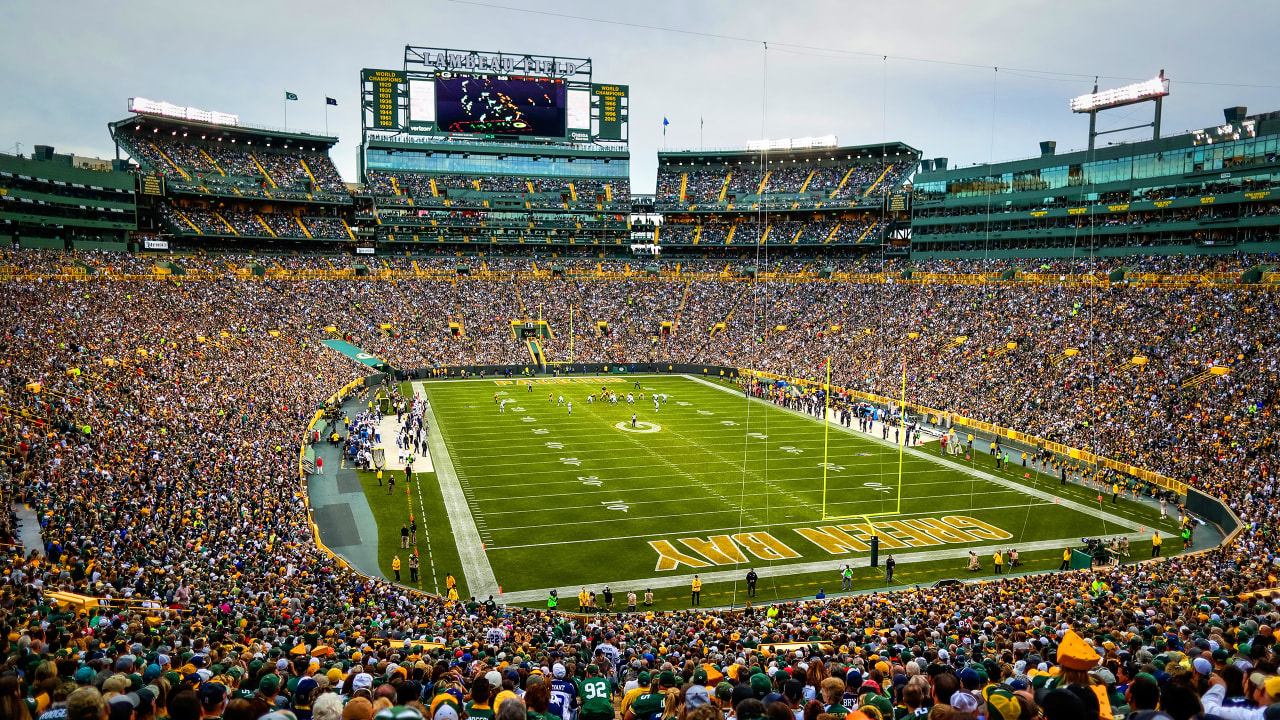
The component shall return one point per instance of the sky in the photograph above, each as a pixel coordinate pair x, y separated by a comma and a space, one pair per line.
972, 81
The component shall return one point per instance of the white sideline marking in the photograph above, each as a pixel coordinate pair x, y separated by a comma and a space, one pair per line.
475, 563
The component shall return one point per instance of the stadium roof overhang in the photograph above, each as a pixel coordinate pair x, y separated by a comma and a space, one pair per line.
743, 156
142, 123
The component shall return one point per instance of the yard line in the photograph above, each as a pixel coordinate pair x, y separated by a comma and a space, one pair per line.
728, 483
539, 445
796, 479
689, 532
621, 494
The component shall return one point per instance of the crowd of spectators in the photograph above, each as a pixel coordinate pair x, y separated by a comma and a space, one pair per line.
161, 458
227, 168
546, 191
841, 181
239, 222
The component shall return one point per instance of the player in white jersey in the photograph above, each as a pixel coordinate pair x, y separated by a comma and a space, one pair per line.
502, 406
591, 399
655, 403
570, 407
561, 400
630, 398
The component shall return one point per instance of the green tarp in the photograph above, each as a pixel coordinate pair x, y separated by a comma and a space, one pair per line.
355, 353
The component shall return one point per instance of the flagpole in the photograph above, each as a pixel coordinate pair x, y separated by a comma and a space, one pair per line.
286, 109
326, 115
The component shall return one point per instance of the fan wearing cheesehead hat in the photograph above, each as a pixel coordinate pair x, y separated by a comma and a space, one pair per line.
1077, 658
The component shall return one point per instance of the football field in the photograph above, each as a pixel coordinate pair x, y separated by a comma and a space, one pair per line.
712, 483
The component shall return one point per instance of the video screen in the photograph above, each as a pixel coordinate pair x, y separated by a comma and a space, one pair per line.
485, 104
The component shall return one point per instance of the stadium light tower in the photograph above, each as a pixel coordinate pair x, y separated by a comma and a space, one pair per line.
1152, 90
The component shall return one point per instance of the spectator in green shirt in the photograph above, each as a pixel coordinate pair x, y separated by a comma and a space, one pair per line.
481, 695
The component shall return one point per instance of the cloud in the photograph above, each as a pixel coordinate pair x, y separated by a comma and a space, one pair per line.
71, 65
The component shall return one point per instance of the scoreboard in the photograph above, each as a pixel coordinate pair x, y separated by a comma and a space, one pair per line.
384, 90
611, 108
493, 96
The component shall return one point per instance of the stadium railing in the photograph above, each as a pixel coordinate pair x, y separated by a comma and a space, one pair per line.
1150, 280
86, 603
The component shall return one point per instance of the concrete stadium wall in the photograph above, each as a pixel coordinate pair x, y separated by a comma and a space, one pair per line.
518, 371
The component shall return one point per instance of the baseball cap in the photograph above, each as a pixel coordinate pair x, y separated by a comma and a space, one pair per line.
1272, 687
212, 693
357, 709
362, 680
696, 696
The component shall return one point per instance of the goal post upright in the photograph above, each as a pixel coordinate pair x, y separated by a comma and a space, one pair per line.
902, 446
866, 517
826, 432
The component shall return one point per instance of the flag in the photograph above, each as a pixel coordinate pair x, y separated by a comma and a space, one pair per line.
290, 96
330, 101
665, 122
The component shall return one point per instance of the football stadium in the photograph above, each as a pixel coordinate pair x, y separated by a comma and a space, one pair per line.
802, 428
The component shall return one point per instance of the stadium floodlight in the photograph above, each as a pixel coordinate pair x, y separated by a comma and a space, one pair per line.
151, 107
1128, 95
1152, 91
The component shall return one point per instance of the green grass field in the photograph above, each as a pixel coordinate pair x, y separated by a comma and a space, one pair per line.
714, 484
